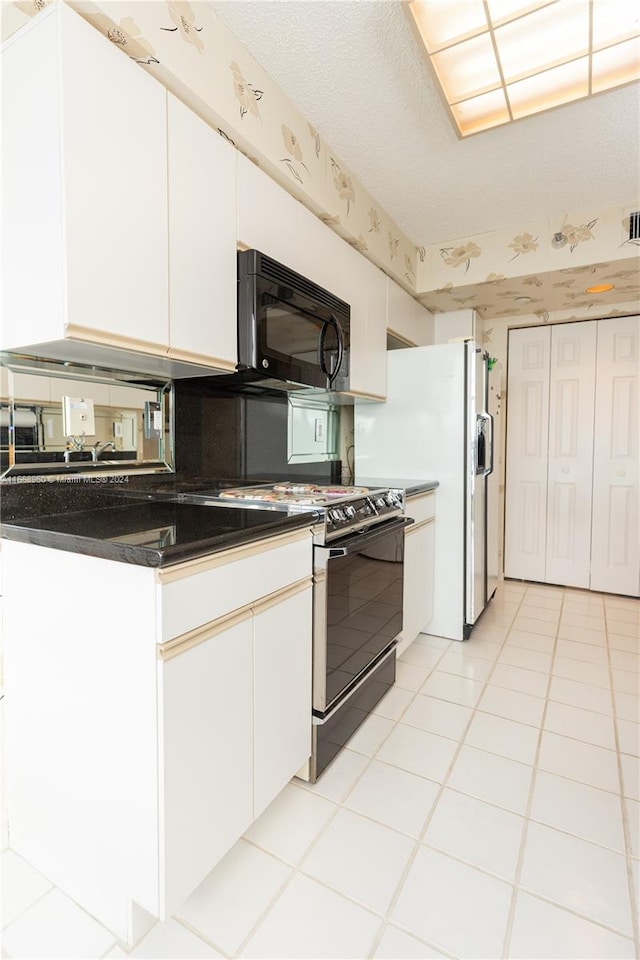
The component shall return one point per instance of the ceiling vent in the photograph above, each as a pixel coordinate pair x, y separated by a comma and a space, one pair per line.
634, 225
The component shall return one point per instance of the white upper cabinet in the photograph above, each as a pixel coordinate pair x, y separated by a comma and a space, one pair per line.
84, 177
408, 319
202, 241
267, 216
271, 221
367, 294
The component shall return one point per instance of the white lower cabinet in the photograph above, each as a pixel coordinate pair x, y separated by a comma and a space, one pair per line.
234, 722
234, 727
282, 706
206, 756
419, 544
141, 748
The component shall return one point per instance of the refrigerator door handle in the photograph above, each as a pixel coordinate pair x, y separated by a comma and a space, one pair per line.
490, 445
483, 445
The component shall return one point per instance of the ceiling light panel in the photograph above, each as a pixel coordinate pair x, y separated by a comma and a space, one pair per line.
467, 68
616, 65
615, 20
543, 39
481, 113
500, 60
501, 11
443, 22
549, 89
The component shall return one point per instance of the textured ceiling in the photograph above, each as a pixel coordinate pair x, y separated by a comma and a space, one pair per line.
353, 68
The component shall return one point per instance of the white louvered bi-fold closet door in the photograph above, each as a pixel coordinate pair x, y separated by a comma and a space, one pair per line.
570, 465
527, 453
615, 563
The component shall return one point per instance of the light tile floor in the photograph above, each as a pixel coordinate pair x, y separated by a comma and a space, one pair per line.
489, 808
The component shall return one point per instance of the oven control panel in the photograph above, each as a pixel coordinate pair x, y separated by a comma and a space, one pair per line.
363, 511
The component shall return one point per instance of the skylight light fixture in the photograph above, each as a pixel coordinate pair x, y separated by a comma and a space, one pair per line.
500, 60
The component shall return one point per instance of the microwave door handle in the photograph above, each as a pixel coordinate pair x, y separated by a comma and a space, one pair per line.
331, 322
321, 359
340, 355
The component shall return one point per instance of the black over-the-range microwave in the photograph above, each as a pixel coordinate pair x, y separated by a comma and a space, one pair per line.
292, 333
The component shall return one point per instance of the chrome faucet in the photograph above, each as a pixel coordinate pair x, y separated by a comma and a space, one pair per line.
74, 445
96, 449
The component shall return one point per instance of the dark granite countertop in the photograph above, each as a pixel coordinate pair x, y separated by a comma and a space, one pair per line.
153, 533
411, 487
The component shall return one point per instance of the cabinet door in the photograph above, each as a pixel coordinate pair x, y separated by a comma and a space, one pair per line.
267, 216
408, 319
615, 547
282, 711
571, 396
114, 156
365, 292
206, 749
376, 356
527, 453
202, 241
322, 253
32, 249
417, 595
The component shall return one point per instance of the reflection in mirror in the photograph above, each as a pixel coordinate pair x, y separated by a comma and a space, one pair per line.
312, 430
60, 418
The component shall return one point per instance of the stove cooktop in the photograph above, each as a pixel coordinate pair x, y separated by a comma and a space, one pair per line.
302, 494
338, 509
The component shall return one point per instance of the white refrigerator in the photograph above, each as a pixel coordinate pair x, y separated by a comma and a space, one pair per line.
436, 425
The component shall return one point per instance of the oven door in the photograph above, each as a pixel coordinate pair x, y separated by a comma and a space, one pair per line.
358, 583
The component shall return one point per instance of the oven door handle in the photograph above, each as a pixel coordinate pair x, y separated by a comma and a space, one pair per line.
358, 541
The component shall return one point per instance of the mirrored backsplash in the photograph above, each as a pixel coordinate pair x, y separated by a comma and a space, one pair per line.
61, 418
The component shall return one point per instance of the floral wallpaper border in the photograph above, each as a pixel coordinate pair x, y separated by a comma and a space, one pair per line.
574, 240
542, 294
188, 49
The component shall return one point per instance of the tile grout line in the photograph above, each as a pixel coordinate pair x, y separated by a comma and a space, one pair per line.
294, 868
38, 899
298, 868
340, 804
419, 840
525, 831
626, 829
198, 933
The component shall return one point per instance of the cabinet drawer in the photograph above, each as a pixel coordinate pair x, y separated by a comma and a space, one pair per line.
194, 593
421, 507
